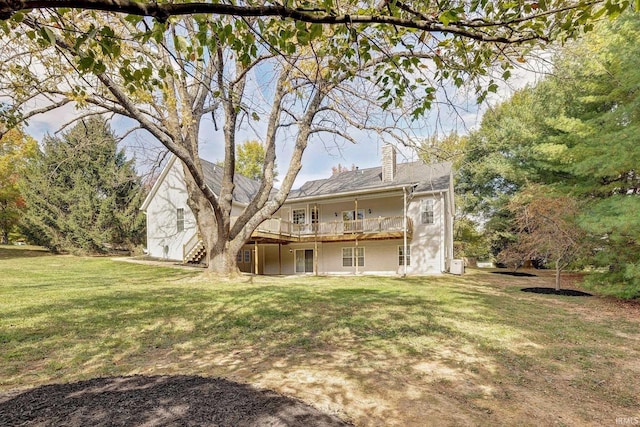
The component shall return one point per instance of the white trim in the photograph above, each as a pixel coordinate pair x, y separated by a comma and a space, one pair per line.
158, 182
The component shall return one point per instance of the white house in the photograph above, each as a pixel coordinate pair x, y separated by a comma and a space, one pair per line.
394, 219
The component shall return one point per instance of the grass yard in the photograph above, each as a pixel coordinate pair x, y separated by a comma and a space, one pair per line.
470, 350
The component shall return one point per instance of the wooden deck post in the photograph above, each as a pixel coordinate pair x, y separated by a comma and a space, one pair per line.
255, 261
315, 257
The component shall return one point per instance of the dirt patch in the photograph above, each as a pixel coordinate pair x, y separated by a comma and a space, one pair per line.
553, 291
155, 401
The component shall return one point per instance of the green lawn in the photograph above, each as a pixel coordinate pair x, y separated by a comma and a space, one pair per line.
470, 350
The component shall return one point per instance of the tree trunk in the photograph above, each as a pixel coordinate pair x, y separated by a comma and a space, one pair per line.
558, 268
223, 262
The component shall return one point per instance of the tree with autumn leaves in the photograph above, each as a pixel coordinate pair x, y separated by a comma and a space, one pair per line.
16, 151
546, 229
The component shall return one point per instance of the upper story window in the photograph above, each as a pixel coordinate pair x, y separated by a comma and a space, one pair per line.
352, 220
351, 215
299, 216
180, 219
426, 211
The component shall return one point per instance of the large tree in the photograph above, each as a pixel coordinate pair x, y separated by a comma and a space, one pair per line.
16, 150
82, 193
381, 65
602, 139
576, 130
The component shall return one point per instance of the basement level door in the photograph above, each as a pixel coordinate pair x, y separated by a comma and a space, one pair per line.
304, 260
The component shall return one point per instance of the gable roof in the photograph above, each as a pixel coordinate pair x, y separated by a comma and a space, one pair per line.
244, 190
425, 178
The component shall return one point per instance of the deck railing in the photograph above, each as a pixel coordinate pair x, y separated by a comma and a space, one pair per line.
335, 228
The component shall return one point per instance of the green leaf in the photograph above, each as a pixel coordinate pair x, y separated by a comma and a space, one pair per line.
303, 36
48, 35
315, 30
448, 16
181, 43
86, 63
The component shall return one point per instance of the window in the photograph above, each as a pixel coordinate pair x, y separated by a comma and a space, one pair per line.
351, 222
299, 216
351, 256
351, 215
360, 256
347, 257
427, 211
247, 256
401, 256
180, 219
239, 257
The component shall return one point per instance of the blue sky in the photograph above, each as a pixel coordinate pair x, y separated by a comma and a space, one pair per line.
320, 154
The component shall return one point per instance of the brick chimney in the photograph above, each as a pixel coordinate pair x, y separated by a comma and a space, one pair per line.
388, 163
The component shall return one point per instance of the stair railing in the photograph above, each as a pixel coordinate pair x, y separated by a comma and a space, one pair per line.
188, 247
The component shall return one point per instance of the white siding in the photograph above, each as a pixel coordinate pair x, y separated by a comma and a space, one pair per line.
163, 238
427, 243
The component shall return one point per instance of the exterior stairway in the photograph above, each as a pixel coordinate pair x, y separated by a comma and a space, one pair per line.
194, 252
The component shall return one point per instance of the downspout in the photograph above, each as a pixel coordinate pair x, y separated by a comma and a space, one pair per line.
443, 236
404, 230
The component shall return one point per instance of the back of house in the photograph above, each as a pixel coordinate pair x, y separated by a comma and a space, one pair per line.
394, 219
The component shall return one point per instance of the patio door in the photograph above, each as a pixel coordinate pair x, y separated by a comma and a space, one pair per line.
352, 220
304, 260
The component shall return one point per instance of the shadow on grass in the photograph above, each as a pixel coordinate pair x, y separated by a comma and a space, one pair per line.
14, 252
274, 320
299, 335
158, 400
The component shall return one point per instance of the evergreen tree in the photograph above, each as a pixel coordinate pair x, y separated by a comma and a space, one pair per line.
605, 147
578, 131
82, 193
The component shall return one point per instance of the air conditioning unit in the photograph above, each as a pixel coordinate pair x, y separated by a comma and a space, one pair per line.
457, 267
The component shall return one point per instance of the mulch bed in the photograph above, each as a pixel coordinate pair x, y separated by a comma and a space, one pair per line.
514, 273
157, 401
553, 291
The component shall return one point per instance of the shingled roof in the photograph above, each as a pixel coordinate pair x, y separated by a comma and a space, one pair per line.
244, 190
432, 177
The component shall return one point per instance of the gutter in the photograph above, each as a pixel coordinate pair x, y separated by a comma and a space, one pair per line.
399, 188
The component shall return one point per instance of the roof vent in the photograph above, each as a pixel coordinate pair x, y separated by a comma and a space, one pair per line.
388, 163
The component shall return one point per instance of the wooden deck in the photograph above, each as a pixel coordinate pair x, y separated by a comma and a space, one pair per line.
276, 230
